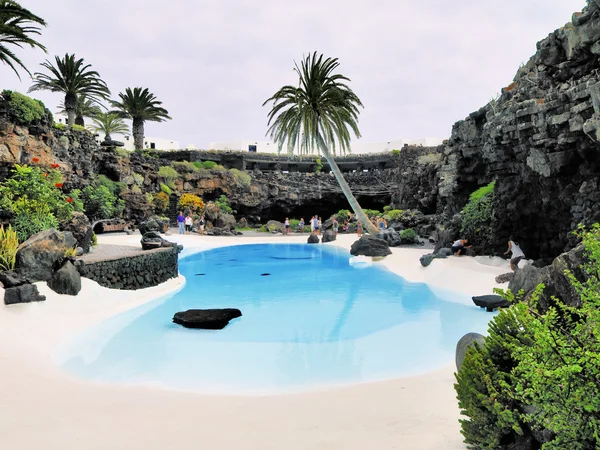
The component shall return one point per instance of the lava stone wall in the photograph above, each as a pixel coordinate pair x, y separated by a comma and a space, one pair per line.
136, 272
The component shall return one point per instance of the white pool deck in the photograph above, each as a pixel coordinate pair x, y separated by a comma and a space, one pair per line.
42, 407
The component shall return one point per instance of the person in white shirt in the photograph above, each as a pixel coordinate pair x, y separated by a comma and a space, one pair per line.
188, 224
460, 246
517, 253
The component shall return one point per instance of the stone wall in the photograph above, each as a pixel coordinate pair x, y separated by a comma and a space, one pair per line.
150, 268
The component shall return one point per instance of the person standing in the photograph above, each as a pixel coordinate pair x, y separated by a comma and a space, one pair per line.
336, 225
517, 253
312, 224
188, 224
315, 222
201, 224
181, 222
286, 226
301, 226
359, 228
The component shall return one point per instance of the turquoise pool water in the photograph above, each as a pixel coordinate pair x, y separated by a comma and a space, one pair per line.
310, 320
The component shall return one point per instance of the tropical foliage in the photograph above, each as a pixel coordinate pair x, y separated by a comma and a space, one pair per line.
108, 124
22, 109
9, 243
84, 107
223, 203
477, 215
73, 78
191, 201
35, 200
140, 105
241, 178
18, 27
538, 370
101, 199
319, 114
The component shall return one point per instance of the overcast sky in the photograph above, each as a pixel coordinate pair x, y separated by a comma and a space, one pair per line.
418, 66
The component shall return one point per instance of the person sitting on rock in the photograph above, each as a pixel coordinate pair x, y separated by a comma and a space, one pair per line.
517, 253
460, 246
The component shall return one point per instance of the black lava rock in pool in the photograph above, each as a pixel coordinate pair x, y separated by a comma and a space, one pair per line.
491, 302
313, 239
370, 246
208, 319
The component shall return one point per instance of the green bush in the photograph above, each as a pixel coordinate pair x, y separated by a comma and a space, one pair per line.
122, 152
343, 215
59, 126
94, 241
319, 165
409, 236
9, 243
102, 200
23, 109
387, 208
34, 221
166, 189
223, 203
395, 152
241, 178
76, 127
395, 215
538, 370
168, 173
184, 167
372, 213
205, 164
477, 215
138, 179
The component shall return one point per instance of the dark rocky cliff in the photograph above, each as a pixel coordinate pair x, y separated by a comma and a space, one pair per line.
539, 140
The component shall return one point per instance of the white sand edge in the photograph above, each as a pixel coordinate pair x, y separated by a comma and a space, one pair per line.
43, 408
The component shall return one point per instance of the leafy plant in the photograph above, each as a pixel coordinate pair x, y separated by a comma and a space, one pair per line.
319, 165
372, 213
9, 243
409, 236
223, 203
242, 178
94, 240
184, 167
477, 215
166, 189
191, 201
138, 179
395, 152
343, 215
168, 173
161, 202
71, 252
394, 215
108, 124
205, 164
22, 109
35, 220
102, 199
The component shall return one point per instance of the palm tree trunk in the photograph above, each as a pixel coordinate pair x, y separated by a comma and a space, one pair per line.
138, 134
70, 105
346, 189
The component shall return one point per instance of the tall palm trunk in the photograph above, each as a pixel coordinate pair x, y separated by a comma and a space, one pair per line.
138, 134
70, 105
345, 188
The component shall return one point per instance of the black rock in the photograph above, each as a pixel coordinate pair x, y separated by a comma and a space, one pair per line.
491, 302
504, 278
81, 228
328, 236
151, 240
208, 319
391, 236
370, 246
12, 279
24, 293
313, 239
39, 255
425, 260
66, 280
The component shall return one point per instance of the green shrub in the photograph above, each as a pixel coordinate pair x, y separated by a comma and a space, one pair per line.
26, 225
319, 165
205, 164
9, 243
101, 199
23, 109
372, 213
168, 173
477, 215
387, 208
138, 179
395, 215
76, 127
166, 189
76, 201
409, 236
59, 126
184, 167
223, 203
94, 241
219, 168
241, 178
343, 215
122, 152
395, 152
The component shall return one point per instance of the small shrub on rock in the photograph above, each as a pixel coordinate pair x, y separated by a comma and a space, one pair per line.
101, 199
343, 215
168, 173
477, 215
205, 164
241, 178
23, 109
191, 201
409, 236
166, 189
9, 243
160, 202
223, 203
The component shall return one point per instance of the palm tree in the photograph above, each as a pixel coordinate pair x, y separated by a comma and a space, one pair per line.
83, 108
140, 105
73, 78
17, 24
316, 115
109, 123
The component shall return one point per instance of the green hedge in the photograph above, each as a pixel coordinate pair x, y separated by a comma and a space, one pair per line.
22, 109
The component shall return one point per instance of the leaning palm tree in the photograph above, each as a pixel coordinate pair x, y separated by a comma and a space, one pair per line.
83, 108
73, 78
317, 115
140, 105
109, 123
17, 24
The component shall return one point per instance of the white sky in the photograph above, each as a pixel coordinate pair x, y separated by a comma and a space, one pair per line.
417, 66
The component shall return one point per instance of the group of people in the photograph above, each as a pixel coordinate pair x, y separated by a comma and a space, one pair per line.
186, 223
460, 246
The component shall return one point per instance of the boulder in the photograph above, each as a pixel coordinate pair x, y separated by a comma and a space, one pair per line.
225, 221
425, 260
464, 343
504, 278
242, 223
443, 252
12, 279
208, 319
66, 280
491, 302
274, 225
370, 246
24, 293
211, 211
391, 236
313, 239
39, 255
152, 224
525, 279
152, 239
81, 229
328, 236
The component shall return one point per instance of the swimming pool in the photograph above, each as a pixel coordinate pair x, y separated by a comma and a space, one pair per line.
310, 320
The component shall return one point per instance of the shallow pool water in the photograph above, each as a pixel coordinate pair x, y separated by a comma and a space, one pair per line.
310, 320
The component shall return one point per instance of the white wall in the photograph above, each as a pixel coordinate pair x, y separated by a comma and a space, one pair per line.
159, 143
243, 144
